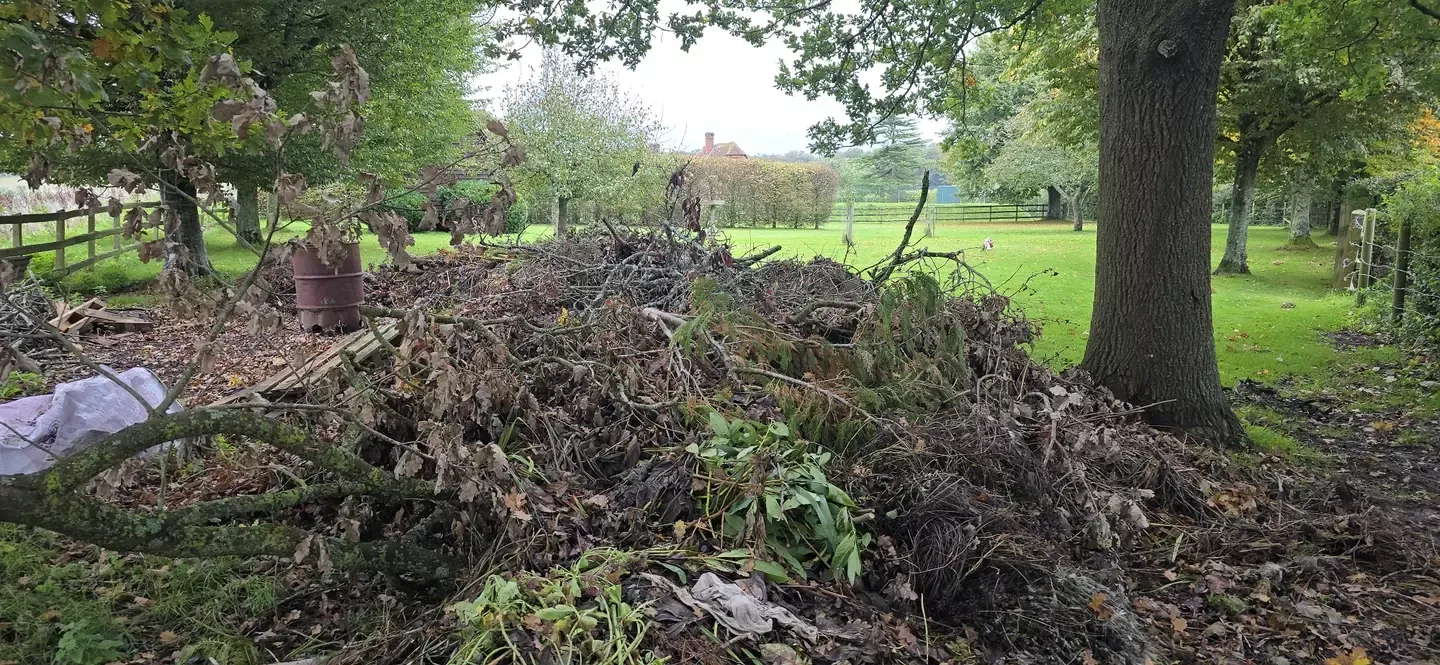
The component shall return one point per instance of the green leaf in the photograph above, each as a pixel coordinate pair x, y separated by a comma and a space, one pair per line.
679, 572
718, 424
779, 430
772, 570
772, 508
555, 613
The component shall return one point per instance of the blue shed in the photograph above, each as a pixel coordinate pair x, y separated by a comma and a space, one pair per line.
947, 194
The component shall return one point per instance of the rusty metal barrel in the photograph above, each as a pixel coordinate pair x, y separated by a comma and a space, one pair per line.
328, 298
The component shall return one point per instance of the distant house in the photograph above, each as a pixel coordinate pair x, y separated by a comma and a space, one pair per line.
728, 150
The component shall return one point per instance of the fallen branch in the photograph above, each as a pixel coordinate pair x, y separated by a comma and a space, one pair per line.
807, 310
879, 275
757, 257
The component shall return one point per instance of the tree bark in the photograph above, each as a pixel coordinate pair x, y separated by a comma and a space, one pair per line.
562, 210
1300, 219
178, 194
1151, 333
1337, 205
1079, 214
1242, 203
1054, 204
247, 213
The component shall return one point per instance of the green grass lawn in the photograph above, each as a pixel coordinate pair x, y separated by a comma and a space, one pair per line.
1255, 335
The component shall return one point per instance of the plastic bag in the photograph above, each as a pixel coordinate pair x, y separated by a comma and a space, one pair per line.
76, 416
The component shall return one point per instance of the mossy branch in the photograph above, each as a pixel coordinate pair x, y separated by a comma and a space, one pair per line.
51, 500
74, 471
76, 516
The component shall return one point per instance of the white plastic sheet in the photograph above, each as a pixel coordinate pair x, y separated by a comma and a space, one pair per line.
76, 416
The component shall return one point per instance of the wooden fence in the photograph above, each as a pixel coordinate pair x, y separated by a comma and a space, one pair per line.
61, 241
944, 213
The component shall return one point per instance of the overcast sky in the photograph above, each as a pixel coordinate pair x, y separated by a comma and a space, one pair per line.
723, 85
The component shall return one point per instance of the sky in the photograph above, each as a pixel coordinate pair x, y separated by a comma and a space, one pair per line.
722, 85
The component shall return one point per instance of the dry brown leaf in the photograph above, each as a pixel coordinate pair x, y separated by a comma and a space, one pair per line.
1179, 624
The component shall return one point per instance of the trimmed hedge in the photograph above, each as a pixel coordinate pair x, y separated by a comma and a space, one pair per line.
759, 192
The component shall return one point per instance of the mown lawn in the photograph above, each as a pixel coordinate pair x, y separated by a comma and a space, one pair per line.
1257, 335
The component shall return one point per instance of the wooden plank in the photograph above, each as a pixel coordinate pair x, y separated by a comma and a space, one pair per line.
90, 246
55, 244
17, 236
361, 343
121, 322
98, 258
38, 217
77, 320
60, 225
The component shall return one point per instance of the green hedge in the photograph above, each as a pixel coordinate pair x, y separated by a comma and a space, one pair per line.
411, 205
760, 192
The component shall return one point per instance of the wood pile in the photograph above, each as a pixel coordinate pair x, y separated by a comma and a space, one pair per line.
83, 319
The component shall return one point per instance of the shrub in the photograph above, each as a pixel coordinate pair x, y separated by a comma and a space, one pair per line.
760, 192
411, 205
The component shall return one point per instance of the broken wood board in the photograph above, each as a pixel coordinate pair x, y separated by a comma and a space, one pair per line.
77, 320
361, 344
120, 322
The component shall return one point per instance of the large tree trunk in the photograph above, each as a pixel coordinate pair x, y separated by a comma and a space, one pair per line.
189, 232
1079, 214
1300, 219
1242, 203
1337, 206
1151, 334
247, 213
562, 211
1054, 204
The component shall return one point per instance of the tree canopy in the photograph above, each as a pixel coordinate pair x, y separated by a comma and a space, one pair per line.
585, 137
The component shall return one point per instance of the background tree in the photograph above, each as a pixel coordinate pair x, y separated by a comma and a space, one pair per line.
898, 154
1034, 161
85, 91
1317, 66
419, 55
585, 138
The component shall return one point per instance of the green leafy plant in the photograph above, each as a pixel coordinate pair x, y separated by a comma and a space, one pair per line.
20, 384
85, 643
573, 615
768, 490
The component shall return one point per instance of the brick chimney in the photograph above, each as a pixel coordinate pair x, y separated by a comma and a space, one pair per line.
709, 143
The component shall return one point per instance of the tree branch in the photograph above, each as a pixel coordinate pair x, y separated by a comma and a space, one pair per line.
76, 470
1432, 13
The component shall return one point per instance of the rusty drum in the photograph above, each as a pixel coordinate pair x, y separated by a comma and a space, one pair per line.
328, 298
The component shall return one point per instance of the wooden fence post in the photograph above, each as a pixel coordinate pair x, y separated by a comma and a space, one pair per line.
60, 237
1402, 272
116, 238
849, 232
929, 222
1367, 253
90, 246
17, 235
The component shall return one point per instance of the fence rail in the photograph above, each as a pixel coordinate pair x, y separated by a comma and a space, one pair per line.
61, 242
947, 213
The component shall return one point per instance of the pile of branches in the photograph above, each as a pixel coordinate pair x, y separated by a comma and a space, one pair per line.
1010, 498
24, 305
594, 411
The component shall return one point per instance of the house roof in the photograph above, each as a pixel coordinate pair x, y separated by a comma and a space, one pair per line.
726, 149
